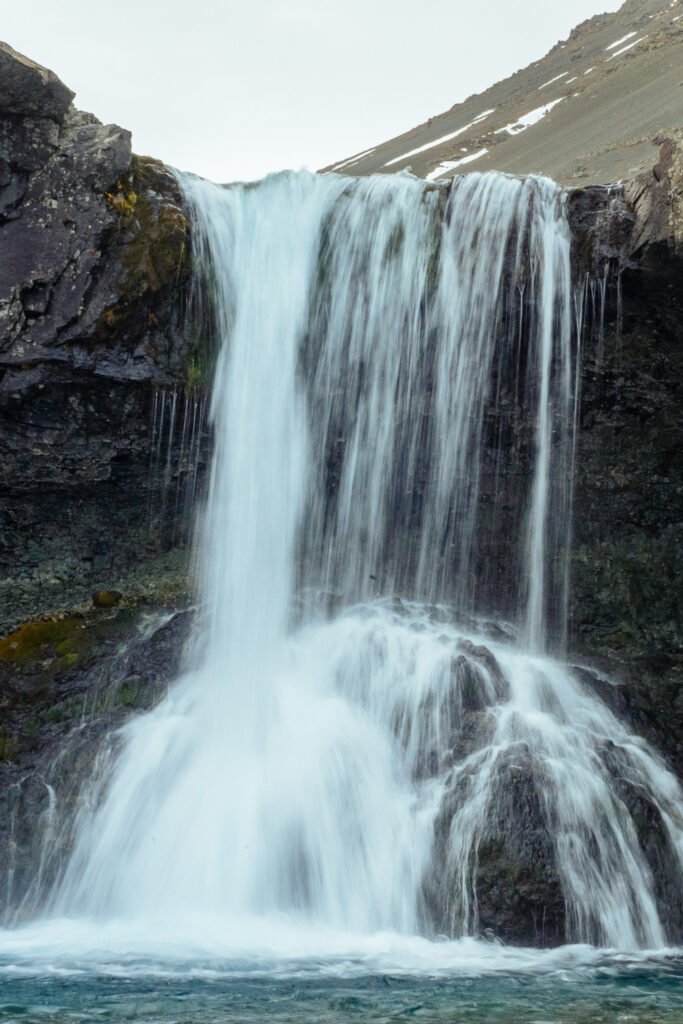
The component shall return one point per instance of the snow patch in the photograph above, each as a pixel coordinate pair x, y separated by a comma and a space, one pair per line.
555, 79
629, 35
451, 165
354, 159
527, 120
438, 142
618, 53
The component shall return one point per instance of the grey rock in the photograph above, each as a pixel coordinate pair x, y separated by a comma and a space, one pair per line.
92, 279
29, 88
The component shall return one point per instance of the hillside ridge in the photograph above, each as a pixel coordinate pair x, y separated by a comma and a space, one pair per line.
589, 111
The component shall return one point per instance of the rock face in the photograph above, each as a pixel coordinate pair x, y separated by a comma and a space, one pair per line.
92, 279
627, 589
103, 444
31, 90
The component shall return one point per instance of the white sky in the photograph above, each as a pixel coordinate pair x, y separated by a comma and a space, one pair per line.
236, 89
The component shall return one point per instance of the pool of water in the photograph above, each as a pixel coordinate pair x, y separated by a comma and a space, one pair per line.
606, 996
575, 985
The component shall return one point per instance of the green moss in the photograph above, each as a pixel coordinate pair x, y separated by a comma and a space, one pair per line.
8, 746
56, 714
151, 238
199, 370
155, 253
53, 638
128, 694
122, 199
194, 376
32, 727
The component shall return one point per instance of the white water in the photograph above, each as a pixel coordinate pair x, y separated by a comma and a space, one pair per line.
287, 793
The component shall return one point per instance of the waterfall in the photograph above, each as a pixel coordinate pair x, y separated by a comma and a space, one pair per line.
372, 710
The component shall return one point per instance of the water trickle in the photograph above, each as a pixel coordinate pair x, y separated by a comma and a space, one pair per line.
177, 450
394, 410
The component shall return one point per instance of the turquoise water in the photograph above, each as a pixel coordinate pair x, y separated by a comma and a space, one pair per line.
612, 990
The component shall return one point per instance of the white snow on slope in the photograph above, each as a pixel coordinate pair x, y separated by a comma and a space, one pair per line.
555, 79
438, 142
527, 120
629, 35
354, 159
618, 53
450, 165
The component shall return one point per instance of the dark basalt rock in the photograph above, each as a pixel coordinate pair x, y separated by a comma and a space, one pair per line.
516, 893
92, 288
29, 89
478, 654
67, 684
627, 571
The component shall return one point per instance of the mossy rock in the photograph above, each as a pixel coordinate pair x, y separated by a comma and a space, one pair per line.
107, 598
62, 639
9, 746
151, 238
129, 691
156, 251
155, 255
45, 647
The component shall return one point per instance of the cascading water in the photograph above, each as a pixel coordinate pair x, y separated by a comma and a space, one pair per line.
343, 752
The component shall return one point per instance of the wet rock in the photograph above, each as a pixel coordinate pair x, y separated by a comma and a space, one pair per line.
515, 889
107, 598
479, 654
60, 727
627, 567
655, 841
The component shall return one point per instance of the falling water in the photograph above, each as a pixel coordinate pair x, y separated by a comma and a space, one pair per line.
176, 452
394, 410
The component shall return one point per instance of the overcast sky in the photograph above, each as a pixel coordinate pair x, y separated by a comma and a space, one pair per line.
236, 89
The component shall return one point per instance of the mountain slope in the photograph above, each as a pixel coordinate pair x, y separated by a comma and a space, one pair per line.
589, 111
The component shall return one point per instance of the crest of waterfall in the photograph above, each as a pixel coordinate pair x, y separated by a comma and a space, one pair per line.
394, 408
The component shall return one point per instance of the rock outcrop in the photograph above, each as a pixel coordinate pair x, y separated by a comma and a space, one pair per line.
93, 276
627, 590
